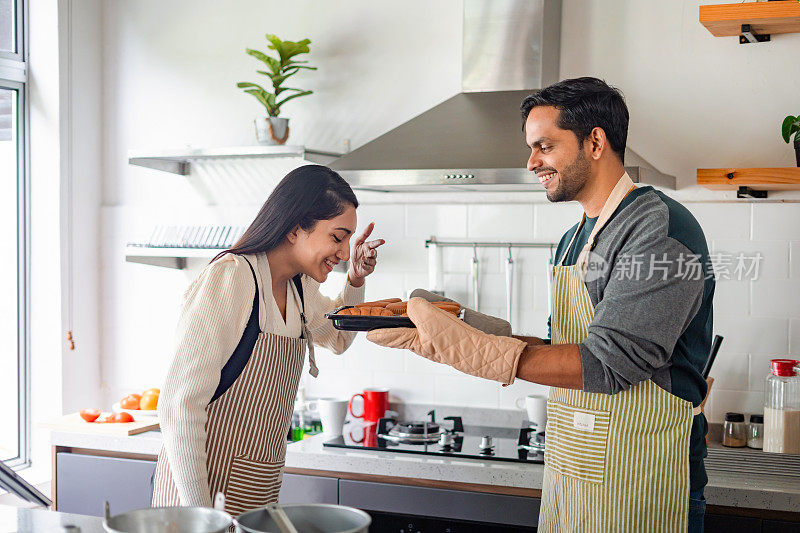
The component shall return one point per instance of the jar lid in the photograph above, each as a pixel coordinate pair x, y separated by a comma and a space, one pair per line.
783, 367
756, 419
734, 417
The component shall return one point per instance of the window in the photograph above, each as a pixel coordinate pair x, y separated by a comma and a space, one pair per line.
14, 200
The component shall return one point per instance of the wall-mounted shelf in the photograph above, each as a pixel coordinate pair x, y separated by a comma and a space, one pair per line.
751, 21
167, 257
176, 257
180, 161
750, 180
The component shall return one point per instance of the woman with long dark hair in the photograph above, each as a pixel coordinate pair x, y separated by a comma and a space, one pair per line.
247, 319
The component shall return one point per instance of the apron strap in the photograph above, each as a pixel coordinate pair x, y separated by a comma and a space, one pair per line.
306, 333
624, 186
241, 355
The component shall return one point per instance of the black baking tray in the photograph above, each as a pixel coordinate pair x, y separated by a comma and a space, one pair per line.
366, 323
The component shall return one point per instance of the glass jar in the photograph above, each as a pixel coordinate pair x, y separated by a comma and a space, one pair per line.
755, 432
782, 407
734, 430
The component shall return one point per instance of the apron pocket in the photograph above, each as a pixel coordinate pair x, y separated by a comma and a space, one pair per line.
252, 484
576, 441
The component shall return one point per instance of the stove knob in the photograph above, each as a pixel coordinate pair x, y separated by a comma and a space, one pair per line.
446, 439
486, 443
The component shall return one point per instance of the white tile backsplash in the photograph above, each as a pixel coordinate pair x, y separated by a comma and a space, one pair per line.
753, 334
760, 320
794, 259
723, 221
443, 221
776, 298
773, 262
776, 221
500, 222
552, 220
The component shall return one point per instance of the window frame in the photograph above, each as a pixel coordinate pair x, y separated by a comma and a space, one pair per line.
13, 76
18, 54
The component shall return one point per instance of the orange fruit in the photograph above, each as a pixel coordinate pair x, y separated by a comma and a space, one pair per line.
152, 391
120, 418
149, 402
130, 401
90, 415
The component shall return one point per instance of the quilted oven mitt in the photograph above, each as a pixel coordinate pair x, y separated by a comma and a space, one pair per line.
444, 338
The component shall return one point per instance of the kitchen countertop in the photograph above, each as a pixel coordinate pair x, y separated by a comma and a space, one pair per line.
728, 488
25, 520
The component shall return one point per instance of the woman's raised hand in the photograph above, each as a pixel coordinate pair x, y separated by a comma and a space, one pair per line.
363, 257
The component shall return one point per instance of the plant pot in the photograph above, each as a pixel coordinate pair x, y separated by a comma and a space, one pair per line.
272, 130
797, 151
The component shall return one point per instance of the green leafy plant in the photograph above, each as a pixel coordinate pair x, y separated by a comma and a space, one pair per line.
791, 125
279, 70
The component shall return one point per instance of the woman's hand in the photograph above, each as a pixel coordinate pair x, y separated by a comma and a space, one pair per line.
363, 257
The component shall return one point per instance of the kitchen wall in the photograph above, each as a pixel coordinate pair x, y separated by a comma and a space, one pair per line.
168, 79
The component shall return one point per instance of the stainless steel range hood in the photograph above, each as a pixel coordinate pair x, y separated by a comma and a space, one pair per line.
473, 140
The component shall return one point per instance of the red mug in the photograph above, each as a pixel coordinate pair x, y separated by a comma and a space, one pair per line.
376, 402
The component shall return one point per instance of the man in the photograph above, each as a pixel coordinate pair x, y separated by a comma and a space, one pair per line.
630, 330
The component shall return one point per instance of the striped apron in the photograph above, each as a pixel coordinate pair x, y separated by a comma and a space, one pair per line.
247, 427
612, 462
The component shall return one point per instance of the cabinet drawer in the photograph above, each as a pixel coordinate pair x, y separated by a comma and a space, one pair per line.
298, 488
85, 482
439, 503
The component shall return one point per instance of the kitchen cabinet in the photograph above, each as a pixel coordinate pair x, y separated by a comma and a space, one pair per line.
442, 504
308, 489
85, 482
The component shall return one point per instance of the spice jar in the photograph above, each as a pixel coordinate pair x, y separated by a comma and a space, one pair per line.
734, 430
755, 432
782, 407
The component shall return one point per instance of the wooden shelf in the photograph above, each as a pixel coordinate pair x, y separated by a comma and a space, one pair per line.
757, 179
764, 18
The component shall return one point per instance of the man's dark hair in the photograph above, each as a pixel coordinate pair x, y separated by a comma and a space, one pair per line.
584, 104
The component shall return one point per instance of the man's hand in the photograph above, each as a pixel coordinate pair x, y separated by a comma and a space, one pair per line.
444, 338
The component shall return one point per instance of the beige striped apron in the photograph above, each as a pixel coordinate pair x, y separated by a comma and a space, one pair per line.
612, 462
247, 427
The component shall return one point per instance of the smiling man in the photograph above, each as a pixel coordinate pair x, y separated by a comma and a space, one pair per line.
630, 330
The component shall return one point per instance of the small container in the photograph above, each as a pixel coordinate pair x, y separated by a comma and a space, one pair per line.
734, 430
755, 432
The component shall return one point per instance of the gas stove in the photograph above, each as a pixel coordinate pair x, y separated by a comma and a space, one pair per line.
447, 438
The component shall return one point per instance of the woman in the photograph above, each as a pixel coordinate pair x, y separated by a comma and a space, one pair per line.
226, 405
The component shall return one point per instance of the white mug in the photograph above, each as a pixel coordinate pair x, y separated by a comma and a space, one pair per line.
332, 412
536, 406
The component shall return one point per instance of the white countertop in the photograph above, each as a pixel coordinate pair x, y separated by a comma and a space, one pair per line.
727, 489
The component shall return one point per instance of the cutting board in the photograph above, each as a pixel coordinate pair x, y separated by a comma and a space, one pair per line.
74, 423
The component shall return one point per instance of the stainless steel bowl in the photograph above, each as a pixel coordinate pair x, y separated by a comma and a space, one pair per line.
169, 520
307, 518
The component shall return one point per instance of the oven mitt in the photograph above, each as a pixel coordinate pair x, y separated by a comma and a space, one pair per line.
444, 338
486, 323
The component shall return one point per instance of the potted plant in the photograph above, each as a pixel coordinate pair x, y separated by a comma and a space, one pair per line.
273, 129
792, 125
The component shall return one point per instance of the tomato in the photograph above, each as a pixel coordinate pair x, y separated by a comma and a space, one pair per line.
130, 402
152, 391
120, 418
90, 415
149, 402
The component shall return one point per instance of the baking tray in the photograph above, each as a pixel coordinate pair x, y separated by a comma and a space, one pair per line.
366, 323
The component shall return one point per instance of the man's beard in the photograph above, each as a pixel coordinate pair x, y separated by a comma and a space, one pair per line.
572, 180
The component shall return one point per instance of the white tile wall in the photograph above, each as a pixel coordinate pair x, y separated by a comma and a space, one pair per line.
759, 319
